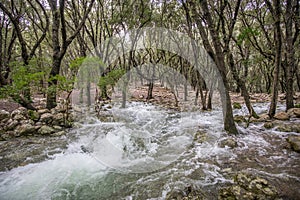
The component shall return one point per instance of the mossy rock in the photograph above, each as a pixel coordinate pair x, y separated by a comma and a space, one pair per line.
269, 125
247, 186
33, 115
236, 105
239, 119
297, 105
200, 137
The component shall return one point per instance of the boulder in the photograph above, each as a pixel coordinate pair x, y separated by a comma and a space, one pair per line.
19, 111
282, 116
297, 112
4, 115
58, 119
288, 128
24, 129
264, 117
12, 125
19, 117
46, 118
294, 142
46, 130
42, 111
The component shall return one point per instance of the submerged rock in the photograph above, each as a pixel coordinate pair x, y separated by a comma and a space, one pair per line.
288, 128
248, 187
187, 193
229, 142
294, 142
269, 125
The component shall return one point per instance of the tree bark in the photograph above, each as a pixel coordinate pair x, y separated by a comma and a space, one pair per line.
58, 21
290, 62
276, 12
229, 124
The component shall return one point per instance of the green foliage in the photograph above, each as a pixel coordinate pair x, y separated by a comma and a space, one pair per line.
23, 77
246, 33
76, 63
111, 78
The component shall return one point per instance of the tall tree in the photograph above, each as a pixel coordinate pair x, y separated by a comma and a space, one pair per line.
276, 14
59, 48
218, 56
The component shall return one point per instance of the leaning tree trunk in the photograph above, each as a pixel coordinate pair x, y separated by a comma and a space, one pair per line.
229, 124
241, 84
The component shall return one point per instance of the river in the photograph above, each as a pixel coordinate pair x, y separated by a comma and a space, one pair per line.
144, 152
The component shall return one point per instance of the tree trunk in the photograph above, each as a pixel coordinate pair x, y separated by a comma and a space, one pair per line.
278, 43
289, 56
229, 124
150, 90
241, 84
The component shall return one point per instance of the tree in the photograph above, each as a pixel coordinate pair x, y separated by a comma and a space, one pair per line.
60, 48
16, 16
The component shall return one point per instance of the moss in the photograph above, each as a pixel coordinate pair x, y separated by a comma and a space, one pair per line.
33, 115
236, 105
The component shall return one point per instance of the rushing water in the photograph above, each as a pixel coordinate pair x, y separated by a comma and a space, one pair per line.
144, 152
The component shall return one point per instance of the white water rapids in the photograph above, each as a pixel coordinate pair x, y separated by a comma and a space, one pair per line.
140, 152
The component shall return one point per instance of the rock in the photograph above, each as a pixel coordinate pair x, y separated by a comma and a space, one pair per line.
200, 137
46, 118
60, 133
294, 142
236, 105
239, 119
294, 112
264, 117
4, 115
248, 187
297, 112
269, 125
46, 130
33, 115
43, 111
230, 142
57, 127
282, 116
19, 111
8, 135
288, 128
58, 119
19, 117
12, 125
24, 129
